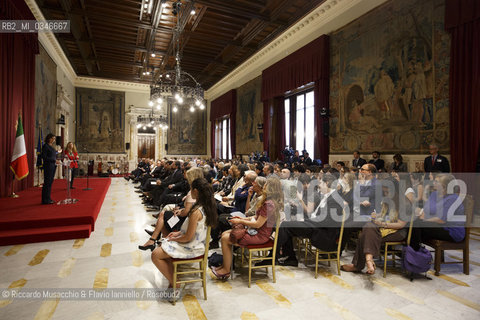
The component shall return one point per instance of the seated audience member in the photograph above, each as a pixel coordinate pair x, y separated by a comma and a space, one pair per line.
259, 170
433, 220
416, 178
365, 202
306, 200
189, 242
345, 187
340, 165
377, 162
226, 182
162, 227
241, 195
389, 225
267, 213
268, 170
357, 161
277, 168
306, 159
255, 195
398, 165
322, 227
238, 174
224, 209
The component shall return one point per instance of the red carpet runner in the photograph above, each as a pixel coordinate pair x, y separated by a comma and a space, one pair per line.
25, 220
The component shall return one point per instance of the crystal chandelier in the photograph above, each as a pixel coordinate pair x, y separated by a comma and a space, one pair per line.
152, 120
176, 88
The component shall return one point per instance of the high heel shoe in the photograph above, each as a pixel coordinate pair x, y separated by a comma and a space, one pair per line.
220, 276
151, 247
374, 267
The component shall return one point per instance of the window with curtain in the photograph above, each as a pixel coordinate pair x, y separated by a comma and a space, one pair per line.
222, 138
300, 121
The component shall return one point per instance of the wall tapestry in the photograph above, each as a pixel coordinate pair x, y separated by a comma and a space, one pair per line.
249, 116
389, 80
187, 133
45, 93
100, 120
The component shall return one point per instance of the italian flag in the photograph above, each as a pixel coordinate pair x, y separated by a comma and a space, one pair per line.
19, 163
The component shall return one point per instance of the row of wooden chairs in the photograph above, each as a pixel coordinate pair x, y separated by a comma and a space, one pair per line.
257, 253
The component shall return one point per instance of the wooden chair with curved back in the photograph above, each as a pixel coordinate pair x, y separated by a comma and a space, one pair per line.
201, 270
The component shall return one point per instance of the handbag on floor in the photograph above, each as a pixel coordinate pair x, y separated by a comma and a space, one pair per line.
416, 261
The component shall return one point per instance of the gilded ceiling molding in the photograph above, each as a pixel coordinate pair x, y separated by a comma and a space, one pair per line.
107, 84
51, 45
329, 16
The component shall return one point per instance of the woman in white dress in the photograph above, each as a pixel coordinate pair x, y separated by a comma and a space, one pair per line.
189, 242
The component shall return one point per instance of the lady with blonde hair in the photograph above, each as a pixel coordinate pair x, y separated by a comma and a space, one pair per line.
162, 227
267, 214
72, 155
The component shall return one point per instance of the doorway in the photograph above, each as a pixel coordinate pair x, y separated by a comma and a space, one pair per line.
146, 146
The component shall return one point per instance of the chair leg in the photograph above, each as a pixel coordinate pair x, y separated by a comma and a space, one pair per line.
306, 250
204, 279
316, 264
249, 268
273, 271
385, 262
328, 257
242, 253
338, 263
466, 261
438, 260
174, 284
443, 256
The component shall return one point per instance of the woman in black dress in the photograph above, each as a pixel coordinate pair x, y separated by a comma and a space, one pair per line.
49, 156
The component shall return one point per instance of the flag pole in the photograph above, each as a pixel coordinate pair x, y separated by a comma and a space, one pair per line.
13, 195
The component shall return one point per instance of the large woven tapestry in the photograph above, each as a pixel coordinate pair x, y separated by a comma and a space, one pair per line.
249, 116
45, 93
389, 80
100, 120
187, 133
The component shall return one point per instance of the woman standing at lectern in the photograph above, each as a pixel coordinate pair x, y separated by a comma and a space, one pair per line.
71, 153
49, 156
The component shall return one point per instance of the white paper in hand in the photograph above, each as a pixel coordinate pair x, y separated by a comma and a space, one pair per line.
153, 182
218, 197
173, 221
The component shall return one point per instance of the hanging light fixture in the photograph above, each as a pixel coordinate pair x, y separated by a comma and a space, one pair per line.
177, 88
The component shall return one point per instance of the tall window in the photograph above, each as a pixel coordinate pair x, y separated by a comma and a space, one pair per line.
222, 138
300, 122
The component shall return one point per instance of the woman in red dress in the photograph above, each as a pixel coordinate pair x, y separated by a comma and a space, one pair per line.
72, 155
264, 221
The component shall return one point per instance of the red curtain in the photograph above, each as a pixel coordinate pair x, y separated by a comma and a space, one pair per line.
220, 107
266, 125
462, 20
17, 93
279, 109
310, 63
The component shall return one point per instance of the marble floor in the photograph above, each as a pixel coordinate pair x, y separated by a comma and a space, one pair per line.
110, 259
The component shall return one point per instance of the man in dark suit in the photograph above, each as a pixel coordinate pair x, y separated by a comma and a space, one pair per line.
435, 162
377, 162
322, 227
357, 161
